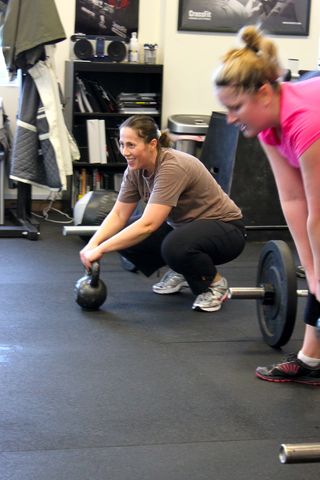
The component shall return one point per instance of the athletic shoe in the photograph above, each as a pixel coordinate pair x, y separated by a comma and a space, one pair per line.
291, 370
212, 299
171, 282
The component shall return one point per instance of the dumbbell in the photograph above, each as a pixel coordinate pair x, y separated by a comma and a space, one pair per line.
276, 293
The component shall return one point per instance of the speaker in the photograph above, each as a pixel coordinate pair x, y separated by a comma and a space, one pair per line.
99, 48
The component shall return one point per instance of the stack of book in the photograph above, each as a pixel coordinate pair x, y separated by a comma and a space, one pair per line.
135, 103
85, 181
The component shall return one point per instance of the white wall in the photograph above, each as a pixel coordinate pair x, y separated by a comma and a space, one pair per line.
188, 57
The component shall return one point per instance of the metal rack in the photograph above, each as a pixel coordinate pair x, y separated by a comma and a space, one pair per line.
20, 217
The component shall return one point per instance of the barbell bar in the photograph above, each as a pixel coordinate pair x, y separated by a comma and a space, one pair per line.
299, 453
80, 230
254, 293
90, 230
275, 292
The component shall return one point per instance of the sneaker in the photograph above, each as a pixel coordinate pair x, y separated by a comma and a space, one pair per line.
171, 282
212, 299
291, 370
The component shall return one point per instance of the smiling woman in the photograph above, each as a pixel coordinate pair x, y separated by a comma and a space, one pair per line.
188, 222
140, 143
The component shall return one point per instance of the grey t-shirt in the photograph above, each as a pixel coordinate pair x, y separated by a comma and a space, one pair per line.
182, 182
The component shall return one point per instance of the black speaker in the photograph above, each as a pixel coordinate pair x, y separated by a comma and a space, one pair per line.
99, 48
83, 49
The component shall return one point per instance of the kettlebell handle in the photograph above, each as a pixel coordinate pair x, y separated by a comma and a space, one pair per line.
94, 273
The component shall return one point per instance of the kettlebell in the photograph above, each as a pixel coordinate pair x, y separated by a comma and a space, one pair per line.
90, 292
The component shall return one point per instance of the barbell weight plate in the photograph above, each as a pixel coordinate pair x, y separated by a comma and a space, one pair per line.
276, 270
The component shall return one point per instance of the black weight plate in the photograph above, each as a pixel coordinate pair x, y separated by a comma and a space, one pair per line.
276, 270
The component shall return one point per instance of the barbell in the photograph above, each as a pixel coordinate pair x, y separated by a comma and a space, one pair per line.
276, 292
299, 453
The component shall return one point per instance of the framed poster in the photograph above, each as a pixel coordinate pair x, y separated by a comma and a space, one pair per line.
276, 17
107, 17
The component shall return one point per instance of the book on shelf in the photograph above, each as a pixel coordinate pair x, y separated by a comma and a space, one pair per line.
82, 182
85, 180
141, 103
139, 110
102, 142
137, 95
137, 103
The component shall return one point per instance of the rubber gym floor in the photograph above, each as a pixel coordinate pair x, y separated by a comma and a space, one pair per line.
145, 388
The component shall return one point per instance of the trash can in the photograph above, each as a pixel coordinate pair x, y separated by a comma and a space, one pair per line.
188, 132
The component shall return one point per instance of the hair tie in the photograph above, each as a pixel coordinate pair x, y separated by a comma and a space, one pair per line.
159, 134
253, 49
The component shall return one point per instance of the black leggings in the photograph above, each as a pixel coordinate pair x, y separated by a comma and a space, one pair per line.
193, 249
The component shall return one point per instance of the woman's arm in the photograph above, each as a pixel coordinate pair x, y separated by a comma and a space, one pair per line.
291, 189
153, 216
112, 224
310, 169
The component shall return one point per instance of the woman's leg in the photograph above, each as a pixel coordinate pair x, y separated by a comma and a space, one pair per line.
195, 249
311, 341
304, 367
146, 255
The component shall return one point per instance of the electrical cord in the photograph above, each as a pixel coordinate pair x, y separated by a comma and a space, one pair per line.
45, 212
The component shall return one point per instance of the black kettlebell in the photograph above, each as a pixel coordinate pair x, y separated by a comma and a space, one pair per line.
90, 292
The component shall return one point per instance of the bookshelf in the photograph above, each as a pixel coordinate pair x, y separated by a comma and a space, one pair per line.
83, 79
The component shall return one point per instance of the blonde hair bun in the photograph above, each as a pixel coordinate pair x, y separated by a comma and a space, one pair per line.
251, 36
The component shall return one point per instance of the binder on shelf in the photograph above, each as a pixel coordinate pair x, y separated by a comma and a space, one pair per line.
102, 142
97, 146
93, 140
82, 97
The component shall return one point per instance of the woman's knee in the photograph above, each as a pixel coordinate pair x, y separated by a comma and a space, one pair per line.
173, 251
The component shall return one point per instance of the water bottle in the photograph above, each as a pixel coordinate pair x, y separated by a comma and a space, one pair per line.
134, 48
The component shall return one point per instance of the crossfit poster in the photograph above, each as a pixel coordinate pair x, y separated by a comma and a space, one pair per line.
277, 17
107, 17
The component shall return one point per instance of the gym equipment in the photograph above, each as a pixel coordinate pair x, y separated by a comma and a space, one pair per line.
80, 230
92, 209
299, 453
276, 293
91, 229
90, 291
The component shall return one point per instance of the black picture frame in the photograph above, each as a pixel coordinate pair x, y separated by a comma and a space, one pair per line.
276, 17
107, 18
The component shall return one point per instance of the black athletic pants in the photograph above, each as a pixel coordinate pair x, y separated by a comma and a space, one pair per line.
193, 249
